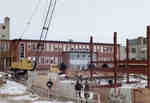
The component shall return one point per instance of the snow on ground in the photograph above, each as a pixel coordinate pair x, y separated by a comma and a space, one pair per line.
25, 97
12, 88
51, 102
18, 93
140, 84
67, 81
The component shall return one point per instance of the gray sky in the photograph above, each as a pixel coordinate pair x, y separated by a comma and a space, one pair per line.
78, 19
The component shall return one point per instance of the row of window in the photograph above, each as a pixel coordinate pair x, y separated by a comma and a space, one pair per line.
81, 56
3, 46
69, 47
49, 60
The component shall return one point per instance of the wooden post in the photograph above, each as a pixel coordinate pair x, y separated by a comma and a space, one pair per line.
115, 59
148, 56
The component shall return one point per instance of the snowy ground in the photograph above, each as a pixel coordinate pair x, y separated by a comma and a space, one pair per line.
141, 82
15, 92
12, 88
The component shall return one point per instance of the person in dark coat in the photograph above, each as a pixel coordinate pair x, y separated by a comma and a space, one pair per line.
86, 89
78, 87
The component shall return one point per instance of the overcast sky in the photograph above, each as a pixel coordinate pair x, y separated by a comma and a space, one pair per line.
78, 19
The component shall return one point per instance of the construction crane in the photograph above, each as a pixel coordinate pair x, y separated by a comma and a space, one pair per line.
21, 67
45, 29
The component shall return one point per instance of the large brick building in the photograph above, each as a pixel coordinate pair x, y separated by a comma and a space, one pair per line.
74, 54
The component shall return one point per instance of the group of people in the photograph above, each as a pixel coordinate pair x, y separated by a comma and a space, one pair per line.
79, 87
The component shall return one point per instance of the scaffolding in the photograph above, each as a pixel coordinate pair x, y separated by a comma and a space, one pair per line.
130, 66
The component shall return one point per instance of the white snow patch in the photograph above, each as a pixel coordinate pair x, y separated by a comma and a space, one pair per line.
140, 84
26, 97
51, 102
67, 81
12, 88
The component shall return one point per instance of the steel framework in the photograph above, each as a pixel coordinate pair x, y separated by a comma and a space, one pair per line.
130, 66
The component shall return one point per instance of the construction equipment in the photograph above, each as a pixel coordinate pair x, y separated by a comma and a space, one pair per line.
54, 68
19, 69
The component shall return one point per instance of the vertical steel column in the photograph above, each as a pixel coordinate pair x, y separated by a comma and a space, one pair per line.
115, 59
127, 58
91, 55
148, 56
91, 49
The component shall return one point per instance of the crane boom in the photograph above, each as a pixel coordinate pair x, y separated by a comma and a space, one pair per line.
45, 29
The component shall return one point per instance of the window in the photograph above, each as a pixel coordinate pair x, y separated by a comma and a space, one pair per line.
76, 46
144, 41
133, 50
42, 59
46, 60
49, 47
94, 48
3, 36
83, 56
105, 49
22, 50
101, 49
29, 45
78, 56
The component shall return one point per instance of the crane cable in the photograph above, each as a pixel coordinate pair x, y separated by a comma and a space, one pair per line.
51, 17
27, 25
48, 11
46, 25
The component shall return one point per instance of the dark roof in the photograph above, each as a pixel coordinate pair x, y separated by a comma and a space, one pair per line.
67, 42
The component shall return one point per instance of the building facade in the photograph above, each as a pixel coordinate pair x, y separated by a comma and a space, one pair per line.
123, 53
138, 48
74, 54
4, 29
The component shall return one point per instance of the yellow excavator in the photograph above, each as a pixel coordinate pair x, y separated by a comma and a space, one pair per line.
19, 69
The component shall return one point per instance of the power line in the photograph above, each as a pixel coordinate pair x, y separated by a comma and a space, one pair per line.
31, 17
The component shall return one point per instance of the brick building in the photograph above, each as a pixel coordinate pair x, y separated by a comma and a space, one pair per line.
138, 48
74, 54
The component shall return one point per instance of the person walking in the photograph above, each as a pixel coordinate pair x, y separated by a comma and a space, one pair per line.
86, 89
78, 87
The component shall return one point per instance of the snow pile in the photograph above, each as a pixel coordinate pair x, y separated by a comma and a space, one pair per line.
51, 102
140, 84
25, 97
67, 81
12, 88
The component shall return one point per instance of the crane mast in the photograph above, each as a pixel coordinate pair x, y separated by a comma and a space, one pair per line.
48, 19
45, 29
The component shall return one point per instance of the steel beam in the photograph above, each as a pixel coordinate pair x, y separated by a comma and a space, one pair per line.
115, 59
91, 55
127, 58
148, 56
